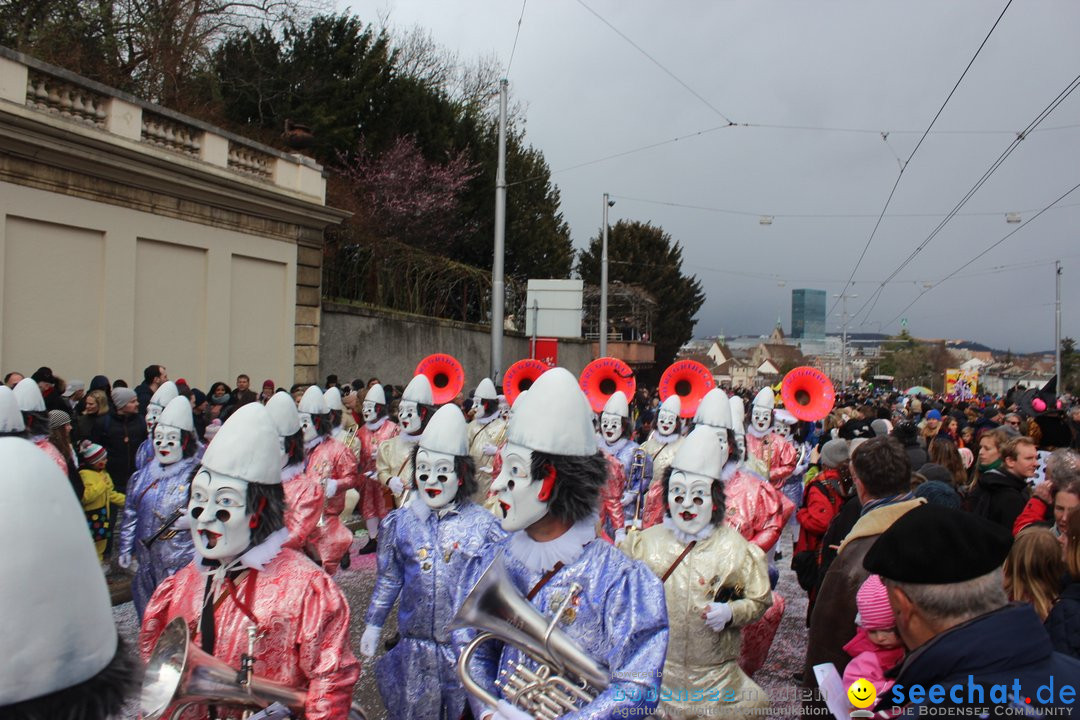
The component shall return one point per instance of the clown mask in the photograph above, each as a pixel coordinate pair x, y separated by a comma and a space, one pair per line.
436, 478
308, 426
783, 430
760, 418
368, 410
519, 495
220, 520
167, 444
666, 422
690, 501
409, 417
481, 408
153, 411
611, 427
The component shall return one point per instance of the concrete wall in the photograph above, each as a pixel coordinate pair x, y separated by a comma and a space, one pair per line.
361, 342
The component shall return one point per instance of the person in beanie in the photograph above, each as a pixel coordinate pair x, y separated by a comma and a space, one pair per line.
60, 437
63, 658
121, 432
244, 580
876, 647
36, 419
99, 496
420, 565
957, 624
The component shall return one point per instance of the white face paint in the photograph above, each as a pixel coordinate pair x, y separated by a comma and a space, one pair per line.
368, 412
436, 478
516, 491
782, 429
611, 426
760, 418
167, 448
690, 501
666, 422
152, 413
409, 417
308, 426
219, 516
481, 410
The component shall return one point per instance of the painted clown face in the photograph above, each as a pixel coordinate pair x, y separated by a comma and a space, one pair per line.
369, 411
690, 501
517, 492
481, 409
220, 521
308, 426
436, 478
611, 426
782, 429
667, 422
167, 444
153, 411
760, 418
409, 417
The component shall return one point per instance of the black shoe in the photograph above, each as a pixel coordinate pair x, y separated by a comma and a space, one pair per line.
797, 677
369, 548
392, 641
346, 561
779, 555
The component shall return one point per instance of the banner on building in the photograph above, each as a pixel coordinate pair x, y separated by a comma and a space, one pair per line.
961, 384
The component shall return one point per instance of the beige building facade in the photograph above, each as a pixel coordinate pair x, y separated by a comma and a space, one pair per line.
132, 235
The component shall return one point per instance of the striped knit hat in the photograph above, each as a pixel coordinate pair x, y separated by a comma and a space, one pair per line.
872, 600
92, 453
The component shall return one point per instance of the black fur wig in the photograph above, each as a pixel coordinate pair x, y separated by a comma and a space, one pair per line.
324, 424
576, 493
294, 448
266, 500
466, 472
718, 498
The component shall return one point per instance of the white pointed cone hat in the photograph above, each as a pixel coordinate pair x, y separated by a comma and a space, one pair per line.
28, 395
783, 416
177, 414
673, 404
520, 395
165, 394
11, 419
418, 390
714, 410
313, 402
376, 394
765, 398
617, 404
283, 414
699, 453
738, 415
447, 432
555, 417
246, 447
486, 390
332, 396
58, 627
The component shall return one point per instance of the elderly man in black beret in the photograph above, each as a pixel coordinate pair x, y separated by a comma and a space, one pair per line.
967, 646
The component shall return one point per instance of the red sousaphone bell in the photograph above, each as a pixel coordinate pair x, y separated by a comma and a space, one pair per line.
808, 393
602, 377
446, 375
688, 379
520, 376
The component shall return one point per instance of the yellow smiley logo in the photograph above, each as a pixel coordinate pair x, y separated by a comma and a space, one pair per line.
862, 693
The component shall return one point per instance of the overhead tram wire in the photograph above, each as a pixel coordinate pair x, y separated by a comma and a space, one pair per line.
1020, 136
517, 34
905, 164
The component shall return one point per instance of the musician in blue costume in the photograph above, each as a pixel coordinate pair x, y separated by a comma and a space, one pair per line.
164, 395
637, 464
427, 545
548, 495
155, 495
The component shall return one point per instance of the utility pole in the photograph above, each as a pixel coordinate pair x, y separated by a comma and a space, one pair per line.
498, 289
1057, 328
603, 279
843, 340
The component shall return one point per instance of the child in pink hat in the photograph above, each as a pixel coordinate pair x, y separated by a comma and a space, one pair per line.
876, 646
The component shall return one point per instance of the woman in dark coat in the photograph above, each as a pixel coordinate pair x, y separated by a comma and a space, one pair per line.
1063, 622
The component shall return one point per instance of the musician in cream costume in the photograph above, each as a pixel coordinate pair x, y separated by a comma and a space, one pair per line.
333, 467
304, 497
770, 455
700, 556
662, 444
548, 493
245, 579
377, 429
393, 464
487, 432
153, 532
63, 658
164, 395
636, 464
421, 561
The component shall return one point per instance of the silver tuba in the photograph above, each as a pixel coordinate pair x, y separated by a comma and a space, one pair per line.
565, 677
179, 675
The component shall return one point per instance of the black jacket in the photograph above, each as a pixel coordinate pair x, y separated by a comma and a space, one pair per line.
1063, 623
999, 497
121, 436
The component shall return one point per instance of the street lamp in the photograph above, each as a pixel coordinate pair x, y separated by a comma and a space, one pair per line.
608, 203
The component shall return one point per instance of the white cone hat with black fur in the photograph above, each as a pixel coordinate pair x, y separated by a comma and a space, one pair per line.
486, 390
714, 410
376, 395
177, 414
673, 404
165, 394
699, 453
28, 395
447, 432
418, 390
555, 417
617, 404
11, 419
246, 447
332, 396
283, 414
313, 402
765, 398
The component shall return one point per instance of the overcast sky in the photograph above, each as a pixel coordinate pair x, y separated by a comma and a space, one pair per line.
588, 93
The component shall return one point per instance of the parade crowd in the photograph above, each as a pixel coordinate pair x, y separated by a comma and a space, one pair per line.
622, 546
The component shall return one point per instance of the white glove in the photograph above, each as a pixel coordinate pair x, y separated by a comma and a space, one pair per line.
124, 560
636, 523
620, 536
331, 488
506, 711
396, 486
371, 474
629, 497
183, 522
718, 616
490, 449
369, 641
488, 470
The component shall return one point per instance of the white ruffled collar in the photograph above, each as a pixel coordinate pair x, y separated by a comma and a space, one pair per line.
486, 419
666, 439
256, 558
684, 537
410, 439
291, 471
373, 426
567, 548
615, 447
422, 510
730, 468
751, 430
314, 443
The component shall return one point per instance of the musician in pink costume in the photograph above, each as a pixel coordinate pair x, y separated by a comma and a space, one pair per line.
377, 429
768, 454
304, 498
244, 577
333, 466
